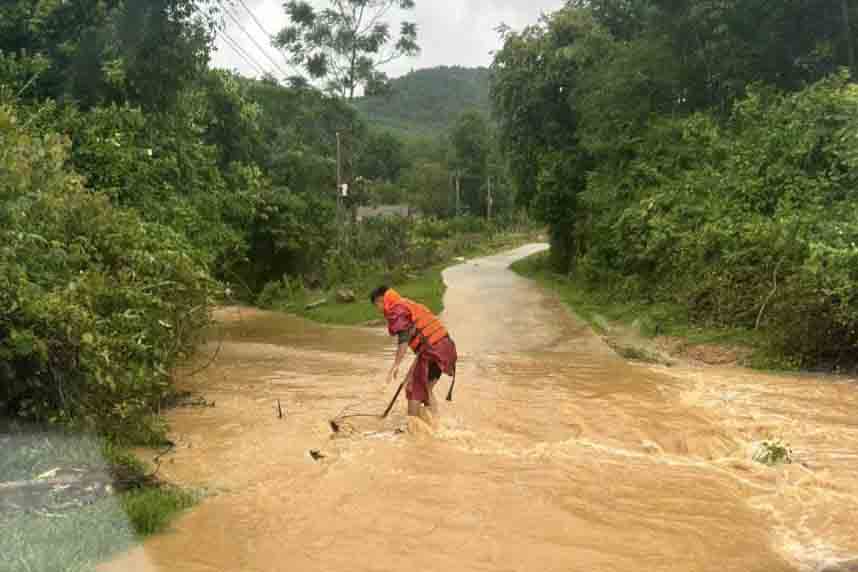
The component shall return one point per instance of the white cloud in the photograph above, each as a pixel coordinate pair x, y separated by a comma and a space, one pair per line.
451, 32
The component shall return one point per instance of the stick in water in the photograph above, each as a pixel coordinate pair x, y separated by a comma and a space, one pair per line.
398, 391
393, 401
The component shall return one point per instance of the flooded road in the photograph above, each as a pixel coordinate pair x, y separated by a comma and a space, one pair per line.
556, 454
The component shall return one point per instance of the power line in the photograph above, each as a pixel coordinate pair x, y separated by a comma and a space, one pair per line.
255, 19
237, 49
252, 39
248, 59
261, 27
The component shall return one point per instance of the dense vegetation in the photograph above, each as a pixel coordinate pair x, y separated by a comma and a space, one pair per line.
138, 187
428, 100
696, 153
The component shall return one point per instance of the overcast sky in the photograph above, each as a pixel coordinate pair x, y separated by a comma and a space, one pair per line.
451, 32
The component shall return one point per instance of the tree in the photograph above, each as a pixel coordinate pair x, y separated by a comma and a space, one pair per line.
719, 47
470, 146
108, 51
345, 44
534, 77
380, 157
428, 187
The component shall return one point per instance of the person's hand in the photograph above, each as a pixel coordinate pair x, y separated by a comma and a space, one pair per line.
393, 374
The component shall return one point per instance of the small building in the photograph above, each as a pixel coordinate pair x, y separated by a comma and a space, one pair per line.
364, 213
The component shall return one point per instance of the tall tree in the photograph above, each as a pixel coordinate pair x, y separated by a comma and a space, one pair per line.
110, 51
347, 43
470, 146
380, 158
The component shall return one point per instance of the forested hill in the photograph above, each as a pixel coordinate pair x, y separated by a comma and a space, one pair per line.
429, 100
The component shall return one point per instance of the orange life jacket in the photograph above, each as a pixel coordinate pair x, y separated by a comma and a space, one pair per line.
428, 329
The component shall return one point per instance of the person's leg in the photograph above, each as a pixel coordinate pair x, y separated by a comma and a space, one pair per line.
414, 408
416, 390
432, 401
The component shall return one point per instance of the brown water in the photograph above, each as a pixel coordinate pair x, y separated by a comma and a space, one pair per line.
555, 455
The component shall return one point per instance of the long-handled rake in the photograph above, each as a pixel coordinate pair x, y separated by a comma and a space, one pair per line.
399, 390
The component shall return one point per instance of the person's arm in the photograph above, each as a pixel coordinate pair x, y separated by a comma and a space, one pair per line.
401, 350
399, 325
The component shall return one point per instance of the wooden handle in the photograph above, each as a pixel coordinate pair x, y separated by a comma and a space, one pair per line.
392, 401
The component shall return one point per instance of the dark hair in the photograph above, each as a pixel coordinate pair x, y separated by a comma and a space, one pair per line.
378, 293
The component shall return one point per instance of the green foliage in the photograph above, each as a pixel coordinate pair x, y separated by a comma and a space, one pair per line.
415, 258
380, 157
291, 234
158, 165
96, 305
103, 52
757, 232
774, 452
132, 178
679, 158
533, 78
427, 101
151, 510
427, 184
79, 542
601, 307
470, 148
346, 43
85, 537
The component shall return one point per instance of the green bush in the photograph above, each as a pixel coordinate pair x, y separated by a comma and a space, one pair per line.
755, 228
151, 510
96, 305
158, 165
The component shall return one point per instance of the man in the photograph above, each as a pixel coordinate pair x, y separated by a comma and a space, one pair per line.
418, 328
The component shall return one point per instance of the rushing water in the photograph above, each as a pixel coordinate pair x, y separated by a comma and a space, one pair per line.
556, 454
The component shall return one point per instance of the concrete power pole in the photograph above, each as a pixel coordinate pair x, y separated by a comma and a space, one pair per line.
339, 178
489, 199
458, 192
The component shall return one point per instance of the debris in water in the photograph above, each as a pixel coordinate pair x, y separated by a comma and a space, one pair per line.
316, 454
774, 452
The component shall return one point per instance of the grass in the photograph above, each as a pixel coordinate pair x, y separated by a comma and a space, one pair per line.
150, 511
78, 540
600, 308
426, 286
74, 541
54, 539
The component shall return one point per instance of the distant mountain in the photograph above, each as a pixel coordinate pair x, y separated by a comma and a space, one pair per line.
428, 101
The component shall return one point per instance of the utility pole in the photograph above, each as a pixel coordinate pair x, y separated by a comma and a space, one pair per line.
458, 192
490, 199
339, 186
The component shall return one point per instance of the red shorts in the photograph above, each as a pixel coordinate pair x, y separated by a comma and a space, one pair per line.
431, 363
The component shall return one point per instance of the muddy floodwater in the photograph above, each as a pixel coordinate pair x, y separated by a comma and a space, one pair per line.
555, 455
